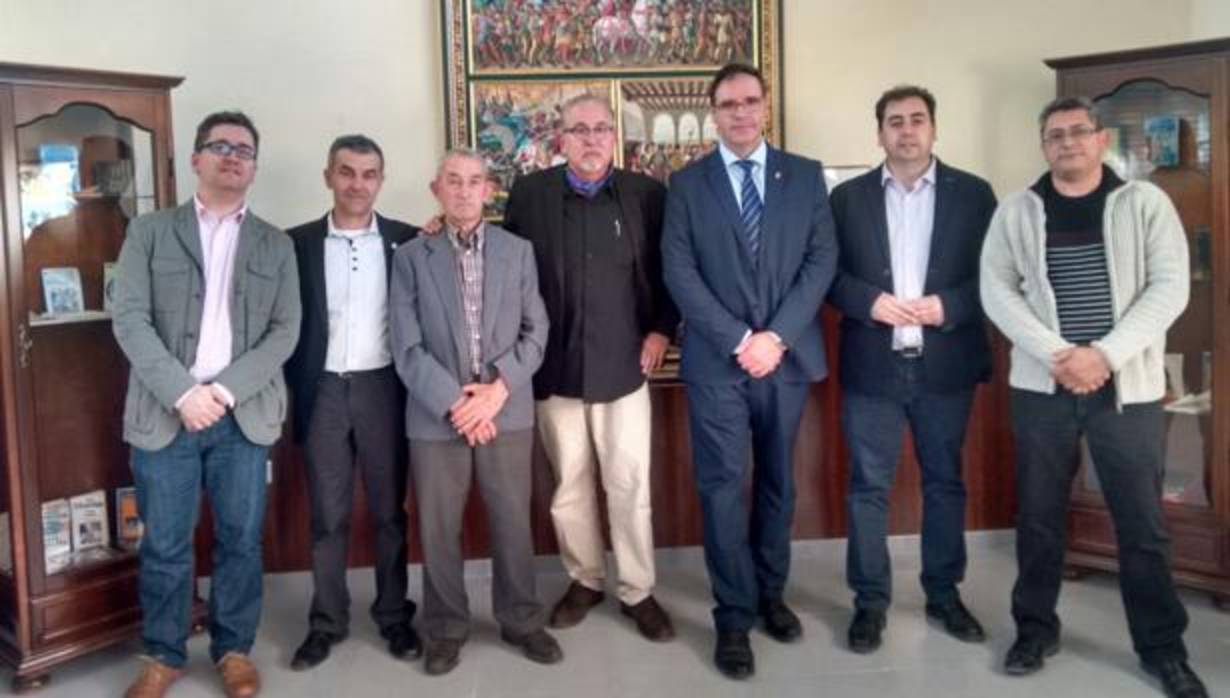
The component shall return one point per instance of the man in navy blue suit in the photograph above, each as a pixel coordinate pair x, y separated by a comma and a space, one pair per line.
748, 253
913, 347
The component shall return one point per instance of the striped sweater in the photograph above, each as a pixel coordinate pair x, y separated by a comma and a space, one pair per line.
1076, 258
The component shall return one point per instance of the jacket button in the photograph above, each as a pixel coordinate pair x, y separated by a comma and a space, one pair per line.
888, 271
189, 336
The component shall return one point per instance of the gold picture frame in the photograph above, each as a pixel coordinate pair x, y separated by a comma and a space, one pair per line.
504, 81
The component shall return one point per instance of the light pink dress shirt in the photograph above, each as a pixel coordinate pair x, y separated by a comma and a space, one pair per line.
219, 240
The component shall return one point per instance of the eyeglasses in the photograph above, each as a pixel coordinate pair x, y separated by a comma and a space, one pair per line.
225, 149
1076, 133
583, 131
731, 106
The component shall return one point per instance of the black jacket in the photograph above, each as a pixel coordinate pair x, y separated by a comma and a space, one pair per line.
307, 363
535, 212
956, 355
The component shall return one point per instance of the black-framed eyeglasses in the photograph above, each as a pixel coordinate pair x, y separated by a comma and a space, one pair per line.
583, 131
1076, 133
224, 149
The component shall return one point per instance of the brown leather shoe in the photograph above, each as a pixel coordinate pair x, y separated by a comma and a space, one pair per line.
239, 675
154, 680
573, 606
650, 619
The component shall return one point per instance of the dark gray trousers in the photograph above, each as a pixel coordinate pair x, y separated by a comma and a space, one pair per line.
443, 472
357, 419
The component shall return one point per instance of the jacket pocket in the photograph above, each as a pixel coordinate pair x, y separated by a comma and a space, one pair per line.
261, 286
169, 281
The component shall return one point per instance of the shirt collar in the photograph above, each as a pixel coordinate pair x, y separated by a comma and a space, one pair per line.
373, 228
887, 176
586, 188
758, 156
475, 241
203, 213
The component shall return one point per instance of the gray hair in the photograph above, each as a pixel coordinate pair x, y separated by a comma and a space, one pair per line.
585, 98
1069, 104
464, 153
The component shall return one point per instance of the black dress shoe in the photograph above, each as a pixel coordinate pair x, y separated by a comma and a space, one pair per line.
733, 654
1028, 654
442, 656
650, 619
538, 646
403, 641
780, 622
314, 650
1178, 679
957, 620
865, 630
574, 605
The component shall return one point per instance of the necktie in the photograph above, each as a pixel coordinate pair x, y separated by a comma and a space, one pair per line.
752, 208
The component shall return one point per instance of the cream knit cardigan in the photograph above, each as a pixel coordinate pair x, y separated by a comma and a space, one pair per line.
1146, 258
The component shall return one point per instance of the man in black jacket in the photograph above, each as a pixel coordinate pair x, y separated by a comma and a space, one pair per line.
348, 401
596, 231
913, 347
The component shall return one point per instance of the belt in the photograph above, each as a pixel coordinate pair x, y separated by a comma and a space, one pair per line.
909, 352
347, 375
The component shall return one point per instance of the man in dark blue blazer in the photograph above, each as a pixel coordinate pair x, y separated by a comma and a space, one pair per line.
748, 253
913, 347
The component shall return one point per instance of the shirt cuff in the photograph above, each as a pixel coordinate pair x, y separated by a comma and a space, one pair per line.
777, 339
183, 397
747, 334
226, 394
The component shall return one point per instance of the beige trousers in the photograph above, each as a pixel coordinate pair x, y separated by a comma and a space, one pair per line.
610, 439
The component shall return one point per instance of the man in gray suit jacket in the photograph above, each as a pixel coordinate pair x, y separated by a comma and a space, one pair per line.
207, 310
468, 332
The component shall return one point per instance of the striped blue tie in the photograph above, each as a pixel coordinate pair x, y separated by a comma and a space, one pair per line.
752, 208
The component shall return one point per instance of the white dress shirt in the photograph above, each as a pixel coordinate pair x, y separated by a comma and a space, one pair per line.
357, 299
911, 216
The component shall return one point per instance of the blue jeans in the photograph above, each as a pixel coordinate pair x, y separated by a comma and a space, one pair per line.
168, 483
873, 427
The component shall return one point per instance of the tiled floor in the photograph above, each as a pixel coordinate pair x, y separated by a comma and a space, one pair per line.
604, 658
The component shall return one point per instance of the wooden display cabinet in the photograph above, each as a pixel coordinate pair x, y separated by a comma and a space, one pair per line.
1168, 110
81, 152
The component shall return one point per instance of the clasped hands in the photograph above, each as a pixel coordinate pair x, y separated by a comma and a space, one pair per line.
899, 312
1082, 370
473, 415
760, 354
202, 407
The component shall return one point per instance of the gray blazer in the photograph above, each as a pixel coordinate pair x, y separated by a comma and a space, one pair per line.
160, 285
427, 329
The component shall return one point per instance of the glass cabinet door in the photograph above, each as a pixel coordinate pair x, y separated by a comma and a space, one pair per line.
1162, 134
83, 174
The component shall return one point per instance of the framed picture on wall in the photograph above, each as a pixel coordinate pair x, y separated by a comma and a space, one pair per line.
510, 64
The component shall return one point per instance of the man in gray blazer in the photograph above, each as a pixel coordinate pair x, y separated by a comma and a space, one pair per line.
468, 331
207, 310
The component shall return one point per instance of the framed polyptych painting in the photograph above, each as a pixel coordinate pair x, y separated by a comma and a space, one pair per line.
510, 64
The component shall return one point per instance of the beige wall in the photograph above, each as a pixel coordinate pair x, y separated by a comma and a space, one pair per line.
1210, 19
304, 71
309, 71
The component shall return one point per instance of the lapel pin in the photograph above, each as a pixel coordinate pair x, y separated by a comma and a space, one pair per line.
777, 174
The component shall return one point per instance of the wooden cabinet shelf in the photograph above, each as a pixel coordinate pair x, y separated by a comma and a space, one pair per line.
80, 153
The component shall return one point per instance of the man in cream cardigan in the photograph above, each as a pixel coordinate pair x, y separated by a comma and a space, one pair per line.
1084, 273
